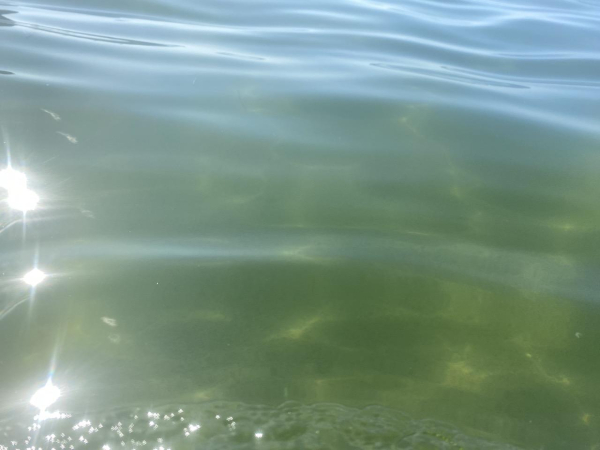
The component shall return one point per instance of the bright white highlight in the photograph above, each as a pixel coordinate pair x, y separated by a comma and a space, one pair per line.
192, 428
45, 396
45, 415
34, 277
258, 435
109, 321
19, 197
12, 180
23, 200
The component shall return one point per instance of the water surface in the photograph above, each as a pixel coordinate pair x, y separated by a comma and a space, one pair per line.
370, 215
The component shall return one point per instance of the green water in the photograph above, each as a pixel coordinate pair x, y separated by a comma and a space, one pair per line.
342, 202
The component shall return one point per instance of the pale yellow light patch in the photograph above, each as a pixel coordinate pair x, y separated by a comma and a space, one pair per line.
208, 316
456, 192
299, 329
202, 395
178, 316
461, 375
537, 364
300, 252
405, 122
586, 418
307, 253
415, 115
419, 233
566, 227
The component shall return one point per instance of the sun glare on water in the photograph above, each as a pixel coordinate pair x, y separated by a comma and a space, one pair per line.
12, 180
23, 200
34, 277
46, 396
19, 196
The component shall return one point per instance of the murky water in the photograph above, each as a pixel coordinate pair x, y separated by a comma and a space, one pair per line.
338, 224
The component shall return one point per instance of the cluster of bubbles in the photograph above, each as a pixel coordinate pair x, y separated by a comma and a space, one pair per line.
228, 425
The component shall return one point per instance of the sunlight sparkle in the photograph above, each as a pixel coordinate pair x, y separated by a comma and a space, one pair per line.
34, 277
12, 180
23, 200
45, 396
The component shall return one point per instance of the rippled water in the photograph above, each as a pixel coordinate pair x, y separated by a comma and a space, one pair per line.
378, 220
